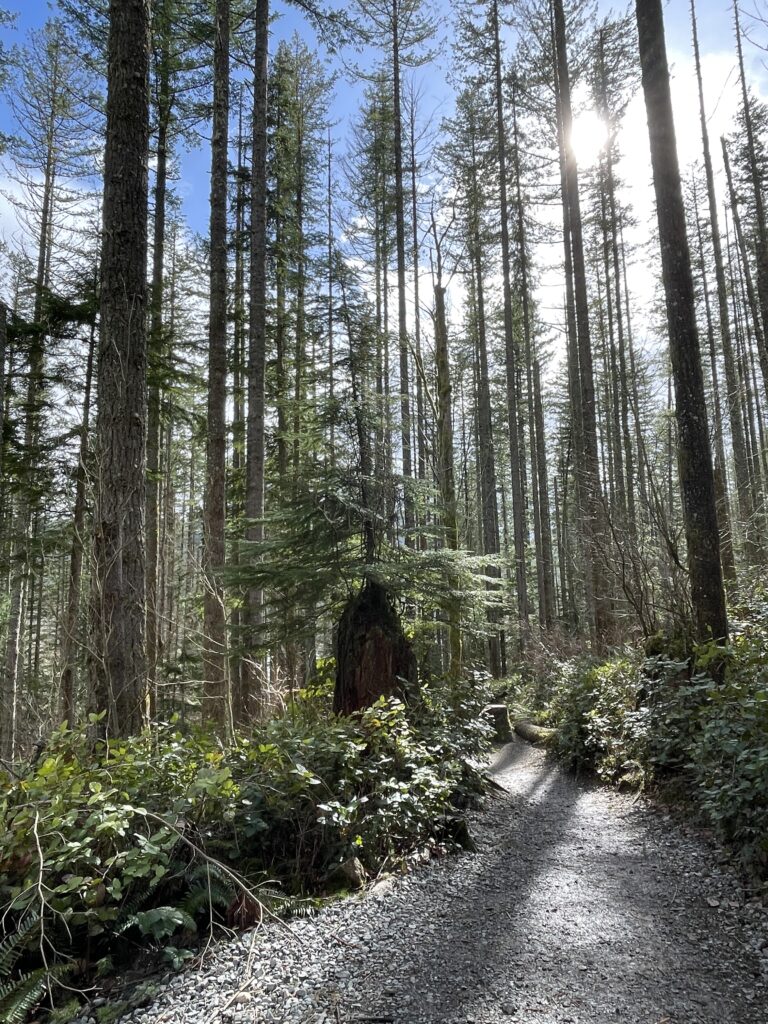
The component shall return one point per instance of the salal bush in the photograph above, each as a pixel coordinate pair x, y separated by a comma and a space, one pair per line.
700, 723
143, 840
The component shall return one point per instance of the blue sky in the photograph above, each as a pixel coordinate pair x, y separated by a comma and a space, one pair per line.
714, 19
716, 34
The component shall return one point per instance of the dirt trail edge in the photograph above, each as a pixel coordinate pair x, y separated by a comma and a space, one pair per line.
581, 906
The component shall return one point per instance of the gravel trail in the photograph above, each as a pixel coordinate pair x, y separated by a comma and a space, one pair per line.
581, 906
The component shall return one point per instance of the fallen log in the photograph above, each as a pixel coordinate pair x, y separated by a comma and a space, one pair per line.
539, 734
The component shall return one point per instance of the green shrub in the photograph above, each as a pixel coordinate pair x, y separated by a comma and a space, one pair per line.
600, 726
146, 839
632, 721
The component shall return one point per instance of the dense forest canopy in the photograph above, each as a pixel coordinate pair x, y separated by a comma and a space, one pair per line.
427, 343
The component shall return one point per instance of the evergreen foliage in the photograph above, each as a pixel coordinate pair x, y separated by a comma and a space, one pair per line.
153, 840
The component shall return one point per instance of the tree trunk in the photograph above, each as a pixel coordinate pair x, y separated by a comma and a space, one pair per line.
119, 668
731, 375
542, 531
446, 479
590, 486
214, 551
68, 643
238, 423
695, 454
518, 510
373, 656
421, 427
402, 316
157, 342
489, 511
257, 340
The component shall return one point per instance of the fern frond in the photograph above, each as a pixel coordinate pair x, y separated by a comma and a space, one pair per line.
204, 872
203, 897
12, 946
17, 997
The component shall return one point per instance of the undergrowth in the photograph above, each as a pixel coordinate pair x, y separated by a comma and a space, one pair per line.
638, 720
154, 841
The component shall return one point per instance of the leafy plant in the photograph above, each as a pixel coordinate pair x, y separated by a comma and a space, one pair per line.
633, 721
153, 840
18, 995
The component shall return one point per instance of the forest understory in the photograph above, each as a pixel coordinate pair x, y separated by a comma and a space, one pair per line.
578, 906
446, 405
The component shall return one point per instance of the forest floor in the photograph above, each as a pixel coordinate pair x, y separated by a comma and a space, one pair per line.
581, 906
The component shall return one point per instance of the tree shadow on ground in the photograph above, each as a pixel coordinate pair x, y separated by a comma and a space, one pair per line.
562, 916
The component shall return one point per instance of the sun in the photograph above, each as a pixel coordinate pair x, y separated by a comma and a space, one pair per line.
588, 137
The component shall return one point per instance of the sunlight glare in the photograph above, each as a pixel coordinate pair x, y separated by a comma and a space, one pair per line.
589, 136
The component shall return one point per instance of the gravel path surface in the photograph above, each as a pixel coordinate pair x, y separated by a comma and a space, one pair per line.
581, 906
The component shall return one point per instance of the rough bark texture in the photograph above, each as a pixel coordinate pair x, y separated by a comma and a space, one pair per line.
257, 331
518, 506
373, 655
214, 654
695, 455
119, 606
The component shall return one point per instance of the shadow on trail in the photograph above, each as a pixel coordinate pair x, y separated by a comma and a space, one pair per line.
475, 927
555, 919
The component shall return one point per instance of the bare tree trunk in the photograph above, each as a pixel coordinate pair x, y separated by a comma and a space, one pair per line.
721, 480
238, 423
541, 527
402, 316
695, 455
157, 341
119, 670
217, 703
69, 638
257, 339
543, 484
446, 478
518, 509
421, 441
593, 518
489, 511
731, 375
331, 355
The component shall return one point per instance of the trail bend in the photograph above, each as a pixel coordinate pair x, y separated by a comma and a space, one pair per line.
580, 906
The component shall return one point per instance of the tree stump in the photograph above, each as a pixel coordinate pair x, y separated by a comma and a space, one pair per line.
373, 655
498, 716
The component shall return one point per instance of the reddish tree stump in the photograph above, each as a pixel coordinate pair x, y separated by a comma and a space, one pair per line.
373, 655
